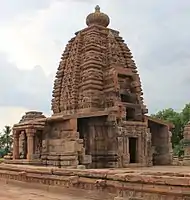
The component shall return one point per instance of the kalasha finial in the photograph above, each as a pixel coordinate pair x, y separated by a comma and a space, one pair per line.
97, 8
97, 18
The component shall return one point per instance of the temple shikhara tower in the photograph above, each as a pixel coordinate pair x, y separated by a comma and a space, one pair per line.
98, 118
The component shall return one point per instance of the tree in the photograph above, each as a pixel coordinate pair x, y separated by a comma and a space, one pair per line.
174, 117
6, 140
179, 119
185, 114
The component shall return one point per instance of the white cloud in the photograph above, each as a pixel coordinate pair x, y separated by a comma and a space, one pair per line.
42, 39
10, 115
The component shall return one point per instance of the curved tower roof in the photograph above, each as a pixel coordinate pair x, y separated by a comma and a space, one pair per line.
96, 71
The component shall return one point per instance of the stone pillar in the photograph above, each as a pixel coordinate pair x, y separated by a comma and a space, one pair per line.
22, 143
15, 144
186, 136
30, 143
148, 148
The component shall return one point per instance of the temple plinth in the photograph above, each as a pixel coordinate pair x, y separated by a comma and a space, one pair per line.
99, 117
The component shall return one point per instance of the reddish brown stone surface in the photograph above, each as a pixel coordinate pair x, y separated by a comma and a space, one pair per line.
145, 183
98, 116
97, 72
184, 159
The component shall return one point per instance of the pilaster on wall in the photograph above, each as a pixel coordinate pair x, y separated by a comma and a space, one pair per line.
123, 154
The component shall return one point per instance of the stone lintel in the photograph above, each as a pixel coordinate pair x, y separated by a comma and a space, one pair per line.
24, 127
61, 117
134, 123
131, 105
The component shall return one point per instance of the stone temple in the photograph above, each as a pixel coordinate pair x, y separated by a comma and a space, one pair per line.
99, 119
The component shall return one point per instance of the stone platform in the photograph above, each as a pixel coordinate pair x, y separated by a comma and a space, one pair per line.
138, 183
23, 162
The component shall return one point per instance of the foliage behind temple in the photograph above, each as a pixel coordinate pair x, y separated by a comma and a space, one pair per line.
179, 119
5, 141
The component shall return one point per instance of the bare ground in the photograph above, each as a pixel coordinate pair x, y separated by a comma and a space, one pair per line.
14, 192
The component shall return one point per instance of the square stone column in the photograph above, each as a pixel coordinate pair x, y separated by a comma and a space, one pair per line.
30, 143
186, 142
15, 144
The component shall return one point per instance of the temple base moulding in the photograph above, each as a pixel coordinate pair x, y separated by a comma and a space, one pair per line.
147, 183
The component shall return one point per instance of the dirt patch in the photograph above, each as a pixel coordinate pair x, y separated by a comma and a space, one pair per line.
14, 192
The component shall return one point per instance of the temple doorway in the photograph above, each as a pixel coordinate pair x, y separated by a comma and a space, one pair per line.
133, 149
83, 130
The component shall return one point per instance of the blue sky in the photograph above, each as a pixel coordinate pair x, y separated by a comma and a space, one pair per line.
33, 35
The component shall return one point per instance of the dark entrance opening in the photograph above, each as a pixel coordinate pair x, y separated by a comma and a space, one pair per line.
125, 98
133, 149
130, 114
83, 129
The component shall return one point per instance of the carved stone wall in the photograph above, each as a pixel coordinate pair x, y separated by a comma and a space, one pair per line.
161, 144
95, 69
100, 141
129, 130
61, 145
